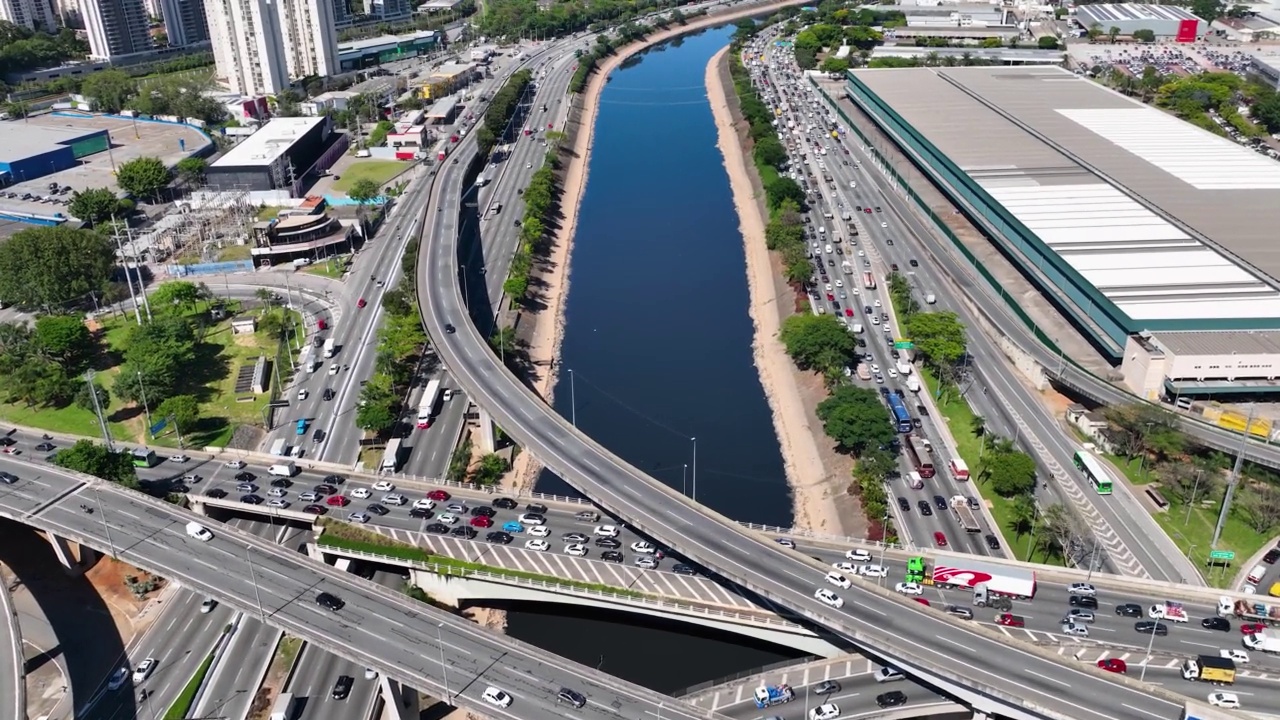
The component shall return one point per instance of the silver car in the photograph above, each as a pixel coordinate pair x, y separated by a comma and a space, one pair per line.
1079, 615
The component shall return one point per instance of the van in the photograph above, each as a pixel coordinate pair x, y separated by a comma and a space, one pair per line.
1256, 574
278, 447
915, 480
888, 674
284, 469
199, 532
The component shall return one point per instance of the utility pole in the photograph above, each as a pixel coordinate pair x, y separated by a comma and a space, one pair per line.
97, 410
1232, 482
142, 390
128, 279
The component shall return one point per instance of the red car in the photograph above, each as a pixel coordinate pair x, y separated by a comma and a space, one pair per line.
867, 211
1010, 620
1115, 665
315, 509
438, 495
321, 324
939, 539
922, 601
481, 521
337, 500
831, 297
360, 303
1252, 628
848, 312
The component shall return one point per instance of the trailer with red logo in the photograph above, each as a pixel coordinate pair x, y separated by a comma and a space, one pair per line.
999, 579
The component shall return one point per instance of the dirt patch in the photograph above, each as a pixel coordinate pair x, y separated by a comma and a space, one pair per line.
108, 577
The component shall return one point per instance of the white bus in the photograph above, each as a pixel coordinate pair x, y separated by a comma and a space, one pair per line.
427, 405
391, 458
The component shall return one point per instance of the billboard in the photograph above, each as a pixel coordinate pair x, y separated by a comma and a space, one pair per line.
1187, 30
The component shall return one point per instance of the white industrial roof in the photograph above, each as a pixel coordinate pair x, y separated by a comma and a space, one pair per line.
1103, 13
268, 144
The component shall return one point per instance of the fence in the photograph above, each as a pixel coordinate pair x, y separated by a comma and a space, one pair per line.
216, 268
754, 672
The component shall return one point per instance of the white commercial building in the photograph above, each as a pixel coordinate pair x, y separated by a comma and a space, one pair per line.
31, 14
116, 28
387, 9
261, 46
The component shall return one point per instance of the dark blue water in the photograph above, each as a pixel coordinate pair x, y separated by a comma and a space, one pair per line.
659, 340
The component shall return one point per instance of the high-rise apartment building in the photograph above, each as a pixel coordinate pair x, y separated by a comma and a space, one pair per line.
185, 22
116, 28
260, 46
388, 9
33, 14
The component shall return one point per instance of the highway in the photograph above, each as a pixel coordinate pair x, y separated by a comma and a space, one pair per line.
376, 627
13, 670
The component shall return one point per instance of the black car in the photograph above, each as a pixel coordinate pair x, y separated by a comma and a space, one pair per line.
464, 531
217, 493
922, 410
1216, 623
281, 482
925, 508
483, 511
437, 529
1129, 610
826, 687
499, 537
682, 569
245, 476
1083, 601
608, 543
940, 502
993, 542
329, 601
342, 688
611, 556
1272, 555
891, 699
45, 447
376, 509
447, 327
318, 435
505, 503
916, 423
536, 508
573, 697
904, 505
914, 263
333, 480
250, 499
1146, 627
323, 489
420, 513
328, 394
315, 509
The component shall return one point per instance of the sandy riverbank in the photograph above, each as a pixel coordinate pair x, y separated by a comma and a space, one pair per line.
811, 486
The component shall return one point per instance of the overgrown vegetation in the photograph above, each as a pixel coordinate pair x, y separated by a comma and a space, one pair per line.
501, 109
527, 18
401, 342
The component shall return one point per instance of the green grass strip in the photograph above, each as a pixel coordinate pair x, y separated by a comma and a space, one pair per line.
182, 706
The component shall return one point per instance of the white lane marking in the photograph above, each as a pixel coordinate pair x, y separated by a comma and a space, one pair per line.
1046, 677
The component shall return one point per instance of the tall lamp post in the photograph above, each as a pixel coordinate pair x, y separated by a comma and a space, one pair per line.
253, 578
573, 400
103, 517
448, 699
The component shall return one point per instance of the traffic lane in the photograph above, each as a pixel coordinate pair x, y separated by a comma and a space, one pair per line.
232, 685
855, 698
431, 450
13, 682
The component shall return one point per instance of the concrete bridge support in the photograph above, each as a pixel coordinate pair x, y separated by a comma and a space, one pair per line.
486, 435
398, 701
75, 559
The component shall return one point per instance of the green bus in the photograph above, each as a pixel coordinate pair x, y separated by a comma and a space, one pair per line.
1094, 472
145, 457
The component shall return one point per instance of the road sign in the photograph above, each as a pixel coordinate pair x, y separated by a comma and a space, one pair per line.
159, 426
1222, 555
903, 345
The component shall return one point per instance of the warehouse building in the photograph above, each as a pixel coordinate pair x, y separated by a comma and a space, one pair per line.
278, 156
1167, 22
30, 152
1131, 222
359, 54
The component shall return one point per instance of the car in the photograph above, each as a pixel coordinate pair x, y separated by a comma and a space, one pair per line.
574, 537
498, 537
683, 569
539, 531
504, 503
575, 550
612, 556
826, 687
608, 543
361, 303
342, 688
1010, 620
925, 508
281, 482
483, 511
337, 501
395, 499
1084, 589
384, 486
876, 571
250, 499
826, 711
376, 509
1239, 657
993, 542
1146, 627
450, 329
216, 493
1114, 665
531, 518
361, 493
940, 539
1079, 615
643, 548
963, 613
437, 529
1252, 628
587, 516
1270, 558
1216, 623
208, 605
1076, 629
328, 394
245, 477
940, 502
333, 368
465, 532
310, 496
903, 504
424, 504
458, 508
358, 517
236, 464
537, 545
893, 698
117, 678
45, 447
481, 521
247, 487
858, 555
302, 394
606, 531
512, 526
496, 697
143, 670
1129, 610
1083, 601
908, 588
572, 697
315, 509
279, 504
1229, 701
277, 492
646, 562
438, 495
829, 598
329, 601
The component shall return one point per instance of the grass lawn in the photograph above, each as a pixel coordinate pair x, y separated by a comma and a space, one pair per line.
234, 252
379, 171
1130, 469
959, 417
332, 267
268, 213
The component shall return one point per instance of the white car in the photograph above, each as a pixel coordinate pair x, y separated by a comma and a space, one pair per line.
875, 368
538, 545
1082, 589
143, 670
302, 394
424, 504
575, 549
309, 497
838, 580
829, 597
1231, 701
358, 517
1237, 656
394, 499
234, 464
333, 369
278, 503
538, 530
646, 562
606, 531
277, 492
826, 711
360, 493
178, 458
532, 519
892, 373
643, 548
1076, 629
877, 571
839, 283
858, 555
909, 588
383, 486
876, 303
448, 519
884, 224
494, 696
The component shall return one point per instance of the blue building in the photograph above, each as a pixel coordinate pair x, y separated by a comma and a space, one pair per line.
30, 152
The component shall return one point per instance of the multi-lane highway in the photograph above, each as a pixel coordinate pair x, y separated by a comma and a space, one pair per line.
13, 671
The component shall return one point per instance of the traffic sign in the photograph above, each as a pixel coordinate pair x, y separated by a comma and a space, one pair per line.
1222, 555
903, 345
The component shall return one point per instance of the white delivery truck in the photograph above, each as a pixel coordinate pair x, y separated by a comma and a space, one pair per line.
278, 447
284, 468
913, 384
1168, 610
931, 298
1262, 643
330, 347
286, 707
904, 368
856, 328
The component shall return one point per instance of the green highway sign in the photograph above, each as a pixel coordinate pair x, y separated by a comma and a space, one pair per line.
903, 345
1222, 555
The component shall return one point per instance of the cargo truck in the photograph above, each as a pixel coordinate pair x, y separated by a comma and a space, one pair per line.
1262, 643
856, 329
767, 695
999, 579
286, 707
964, 514
330, 347
1249, 610
1168, 610
1209, 668
913, 384
904, 368
845, 267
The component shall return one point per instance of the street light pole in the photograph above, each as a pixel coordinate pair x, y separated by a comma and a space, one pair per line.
1151, 642
443, 668
684, 480
254, 579
573, 399
695, 468
103, 517
883, 544
1093, 560
1192, 504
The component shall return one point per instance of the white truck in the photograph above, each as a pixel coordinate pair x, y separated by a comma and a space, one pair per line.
998, 579
931, 298
913, 384
845, 267
904, 368
286, 707
283, 469
330, 347
1168, 610
856, 328
1262, 643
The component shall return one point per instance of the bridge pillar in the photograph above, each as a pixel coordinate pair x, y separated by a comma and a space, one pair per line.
436, 586
487, 444
73, 561
398, 702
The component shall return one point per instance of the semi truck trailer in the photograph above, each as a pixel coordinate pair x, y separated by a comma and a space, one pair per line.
998, 579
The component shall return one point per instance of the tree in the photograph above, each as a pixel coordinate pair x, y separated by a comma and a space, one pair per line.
364, 191
939, 336
143, 177
1209, 10
979, 425
490, 470
1258, 507
94, 205
65, 338
1047, 42
1184, 482
178, 295
84, 400
876, 464
93, 459
39, 381
376, 411
1022, 514
769, 151
855, 419
1141, 428
110, 89
1011, 474
182, 410
1144, 35
503, 340
49, 267
817, 342
191, 170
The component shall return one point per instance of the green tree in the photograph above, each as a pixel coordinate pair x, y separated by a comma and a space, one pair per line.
380, 132
49, 267
37, 380
84, 400
94, 205
182, 410
834, 65
110, 89
939, 336
1209, 10
376, 411
769, 151
1022, 514
93, 459
855, 418
1144, 35
177, 295
155, 355
364, 191
66, 339
1047, 42
1141, 428
817, 342
490, 469
192, 170
143, 177
1012, 473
